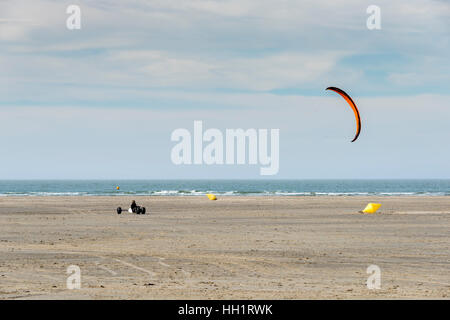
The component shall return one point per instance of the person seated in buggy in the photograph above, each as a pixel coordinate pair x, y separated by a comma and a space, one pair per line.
134, 208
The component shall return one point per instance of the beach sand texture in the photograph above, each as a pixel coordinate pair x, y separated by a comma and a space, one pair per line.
232, 248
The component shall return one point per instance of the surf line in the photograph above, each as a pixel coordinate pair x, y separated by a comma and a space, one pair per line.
235, 151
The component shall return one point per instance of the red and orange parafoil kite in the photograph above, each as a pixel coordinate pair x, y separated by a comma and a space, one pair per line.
353, 106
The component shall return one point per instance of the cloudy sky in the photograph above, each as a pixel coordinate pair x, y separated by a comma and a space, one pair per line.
102, 102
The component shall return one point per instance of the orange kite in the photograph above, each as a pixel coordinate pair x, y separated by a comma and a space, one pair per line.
353, 105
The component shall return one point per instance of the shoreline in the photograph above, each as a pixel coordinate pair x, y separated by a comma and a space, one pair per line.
268, 195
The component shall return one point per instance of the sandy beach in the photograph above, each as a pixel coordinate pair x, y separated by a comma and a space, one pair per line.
233, 248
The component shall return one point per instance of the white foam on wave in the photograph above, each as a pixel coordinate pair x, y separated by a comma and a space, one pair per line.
222, 193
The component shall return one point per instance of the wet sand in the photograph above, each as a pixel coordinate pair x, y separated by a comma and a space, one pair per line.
233, 248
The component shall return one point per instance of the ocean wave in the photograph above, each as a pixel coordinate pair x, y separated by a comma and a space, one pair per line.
279, 193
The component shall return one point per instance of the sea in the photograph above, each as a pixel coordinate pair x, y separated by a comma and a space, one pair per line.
224, 187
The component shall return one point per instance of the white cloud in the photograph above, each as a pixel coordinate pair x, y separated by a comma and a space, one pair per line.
261, 73
201, 45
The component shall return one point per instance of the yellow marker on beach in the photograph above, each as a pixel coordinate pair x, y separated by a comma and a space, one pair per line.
372, 208
211, 196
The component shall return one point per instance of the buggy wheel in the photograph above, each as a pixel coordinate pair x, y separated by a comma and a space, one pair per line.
143, 210
119, 210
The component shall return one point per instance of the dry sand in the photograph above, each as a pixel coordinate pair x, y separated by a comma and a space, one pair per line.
233, 248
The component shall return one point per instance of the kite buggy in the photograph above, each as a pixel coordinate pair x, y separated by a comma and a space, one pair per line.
134, 208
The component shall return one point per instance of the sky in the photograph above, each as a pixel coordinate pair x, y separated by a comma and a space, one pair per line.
101, 102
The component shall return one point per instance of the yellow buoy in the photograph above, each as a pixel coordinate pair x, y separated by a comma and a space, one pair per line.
117, 188
372, 208
211, 196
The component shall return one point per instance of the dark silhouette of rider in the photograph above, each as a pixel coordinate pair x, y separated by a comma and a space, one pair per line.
133, 206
